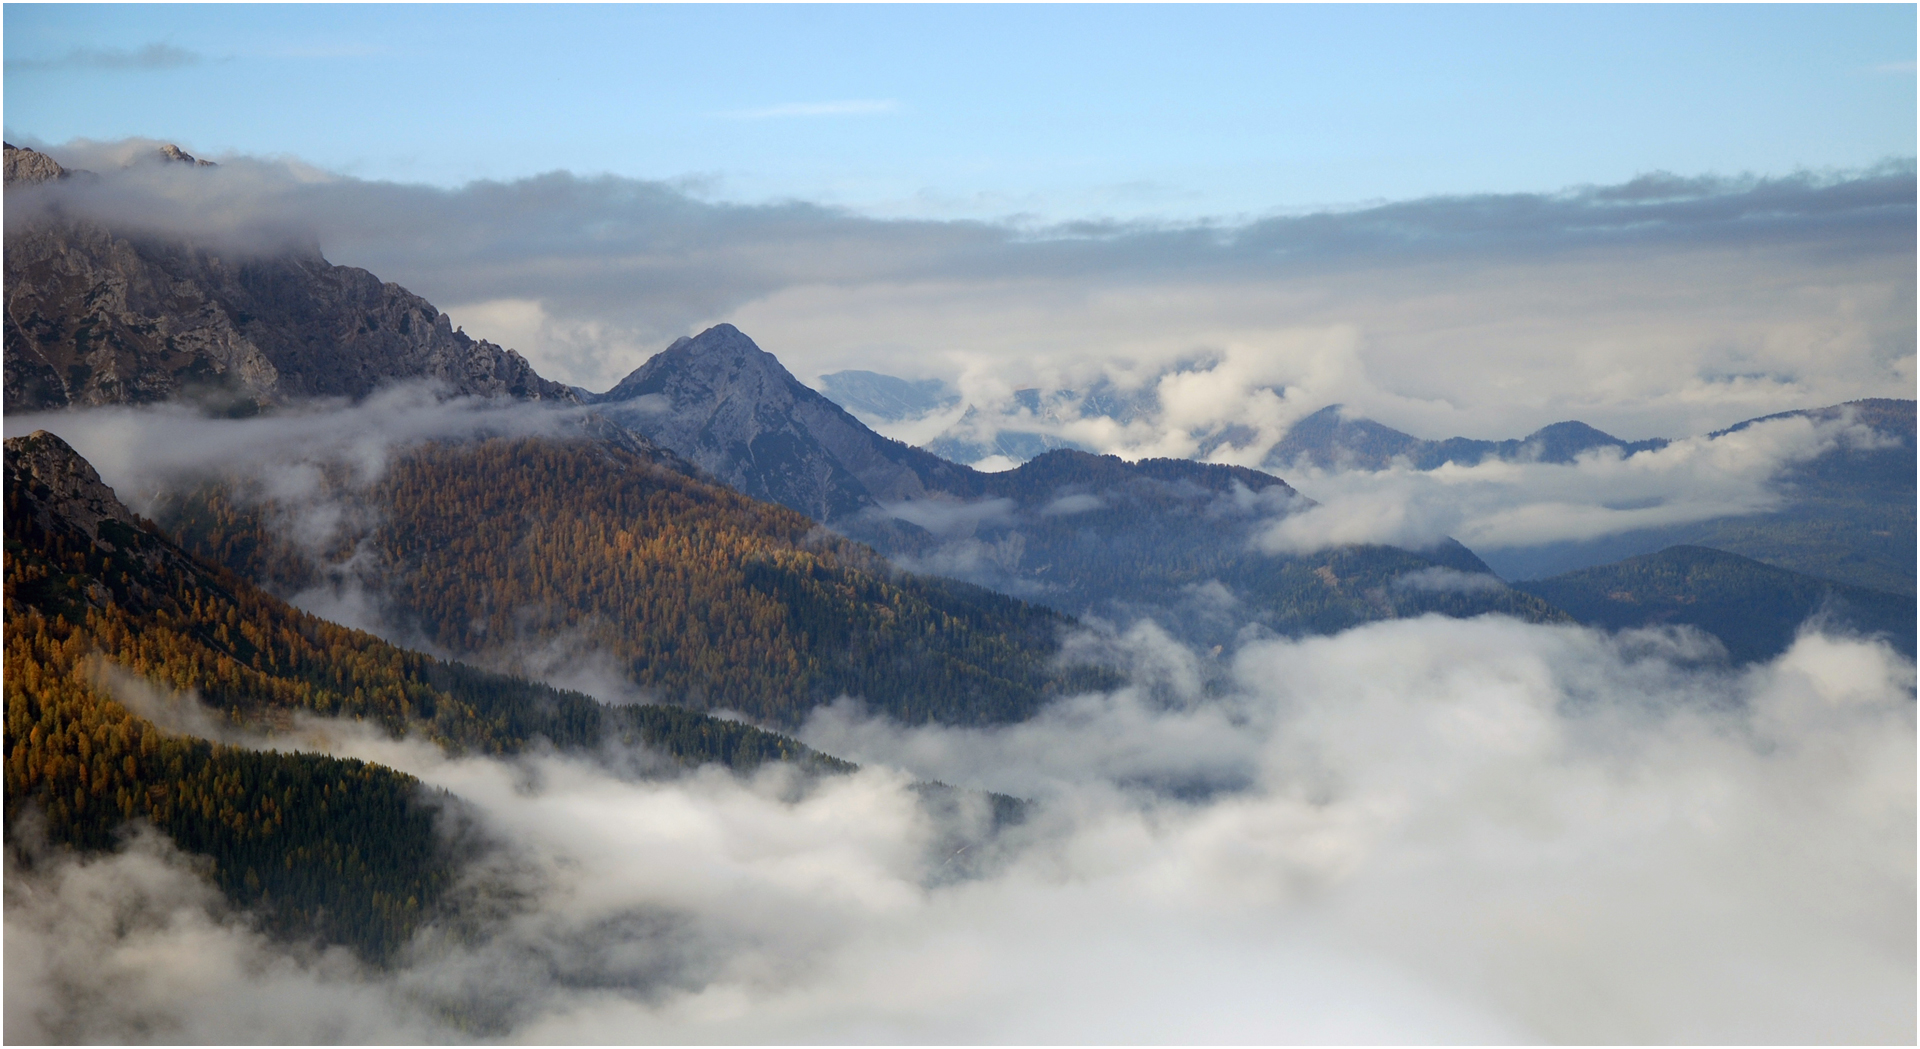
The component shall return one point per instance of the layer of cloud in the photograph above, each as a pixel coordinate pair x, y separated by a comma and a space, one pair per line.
140, 452
1663, 306
309, 464
1499, 504
1418, 831
152, 56
1448, 580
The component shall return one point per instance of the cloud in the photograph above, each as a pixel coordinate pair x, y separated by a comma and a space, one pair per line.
844, 108
1497, 505
1418, 831
1068, 505
1669, 305
1448, 580
308, 463
140, 452
152, 56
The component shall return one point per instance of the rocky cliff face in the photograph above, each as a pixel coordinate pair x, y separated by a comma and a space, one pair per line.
104, 316
30, 166
54, 493
59, 488
734, 410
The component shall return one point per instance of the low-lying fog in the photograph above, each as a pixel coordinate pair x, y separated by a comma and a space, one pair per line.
1424, 830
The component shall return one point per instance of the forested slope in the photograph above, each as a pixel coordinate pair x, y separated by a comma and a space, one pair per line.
1755, 609
1178, 540
335, 848
706, 597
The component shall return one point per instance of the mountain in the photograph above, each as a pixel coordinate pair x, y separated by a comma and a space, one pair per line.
1755, 609
975, 437
886, 397
1077, 532
1846, 515
1176, 541
99, 315
730, 407
1329, 440
1016, 433
501, 550
101, 606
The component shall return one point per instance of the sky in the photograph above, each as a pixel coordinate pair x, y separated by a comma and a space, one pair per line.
1044, 114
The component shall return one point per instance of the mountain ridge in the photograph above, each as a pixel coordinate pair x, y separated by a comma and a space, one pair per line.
98, 315
1068, 529
1754, 608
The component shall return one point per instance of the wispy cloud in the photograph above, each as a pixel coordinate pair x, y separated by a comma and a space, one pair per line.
152, 56
845, 108
1906, 67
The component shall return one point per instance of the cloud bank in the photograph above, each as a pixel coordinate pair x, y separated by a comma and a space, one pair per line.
1501, 505
1428, 830
1662, 306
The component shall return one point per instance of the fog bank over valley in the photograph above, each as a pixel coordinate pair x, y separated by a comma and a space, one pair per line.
1425, 830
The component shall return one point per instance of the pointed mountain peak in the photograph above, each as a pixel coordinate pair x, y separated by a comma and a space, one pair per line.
722, 341
57, 483
1572, 430
723, 354
174, 153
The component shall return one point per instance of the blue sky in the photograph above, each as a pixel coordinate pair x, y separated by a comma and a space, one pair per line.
988, 111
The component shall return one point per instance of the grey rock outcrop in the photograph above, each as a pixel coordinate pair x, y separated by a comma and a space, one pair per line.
105, 316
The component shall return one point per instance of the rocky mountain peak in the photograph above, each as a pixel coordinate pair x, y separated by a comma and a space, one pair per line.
59, 485
720, 356
27, 166
174, 153
98, 315
734, 409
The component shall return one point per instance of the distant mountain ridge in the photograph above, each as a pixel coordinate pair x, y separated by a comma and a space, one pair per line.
103, 316
1755, 609
885, 396
1077, 532
1328, 439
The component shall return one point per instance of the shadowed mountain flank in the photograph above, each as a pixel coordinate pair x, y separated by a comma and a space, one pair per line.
99, 315
1755, 609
